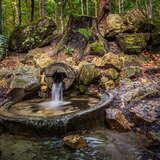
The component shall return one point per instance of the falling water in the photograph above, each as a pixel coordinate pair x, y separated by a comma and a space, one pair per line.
57, 92
57, 97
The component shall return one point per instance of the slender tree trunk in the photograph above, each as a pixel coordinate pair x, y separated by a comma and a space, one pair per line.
1, 21
32, 10
104, 10
19, 12
150, 9
82, 7
40, 8
96, 8
43, 8
28, 11
121, 6
87, 7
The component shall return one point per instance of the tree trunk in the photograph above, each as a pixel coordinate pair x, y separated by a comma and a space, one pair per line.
28, 11
82, 7
150, 9
1, 21
32, 10
19, 12
43, 8
104, 10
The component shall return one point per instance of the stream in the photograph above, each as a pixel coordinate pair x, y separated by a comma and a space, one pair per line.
102, 145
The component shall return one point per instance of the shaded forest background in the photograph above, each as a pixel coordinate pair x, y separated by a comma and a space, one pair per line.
23, 12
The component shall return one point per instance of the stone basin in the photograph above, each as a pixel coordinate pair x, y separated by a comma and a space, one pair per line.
29, 118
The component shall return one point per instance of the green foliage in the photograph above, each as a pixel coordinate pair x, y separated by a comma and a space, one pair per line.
61, 10
84, 31
68, 50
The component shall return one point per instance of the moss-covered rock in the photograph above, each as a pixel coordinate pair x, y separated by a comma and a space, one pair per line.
111, 73
109, 59
131, 71
134, 21
24, 38
133, 43
115, 24
78, 34
106, 83
88, 73
26, 80
39, 58
97, 48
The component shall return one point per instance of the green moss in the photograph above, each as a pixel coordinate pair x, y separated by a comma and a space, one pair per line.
68, 50
131, 71
84, 31
111, 73
97, 47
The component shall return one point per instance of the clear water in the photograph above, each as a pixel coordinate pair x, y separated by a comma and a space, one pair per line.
101, 145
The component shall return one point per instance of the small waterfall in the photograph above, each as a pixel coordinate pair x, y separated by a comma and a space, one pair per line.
57, 97
57, 92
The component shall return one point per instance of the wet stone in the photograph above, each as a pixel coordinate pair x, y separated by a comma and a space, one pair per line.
117, 121
74, 141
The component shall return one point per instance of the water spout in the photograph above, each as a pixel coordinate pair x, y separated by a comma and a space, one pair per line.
57, 92
57, 96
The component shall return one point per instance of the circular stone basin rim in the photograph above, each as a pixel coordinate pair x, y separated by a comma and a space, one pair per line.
56, 124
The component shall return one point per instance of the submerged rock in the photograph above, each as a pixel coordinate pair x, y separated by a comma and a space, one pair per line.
35, 35
117, 121
88, 73
74, 141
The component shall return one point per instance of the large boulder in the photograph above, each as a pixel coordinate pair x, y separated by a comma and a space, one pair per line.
88, 73
133, 43
24, 38
109, 59
77, 35
131, 22
39, 58
25, 82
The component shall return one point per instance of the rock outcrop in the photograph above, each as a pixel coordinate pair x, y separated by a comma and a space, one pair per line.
88, 73
24, 38
25, 83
